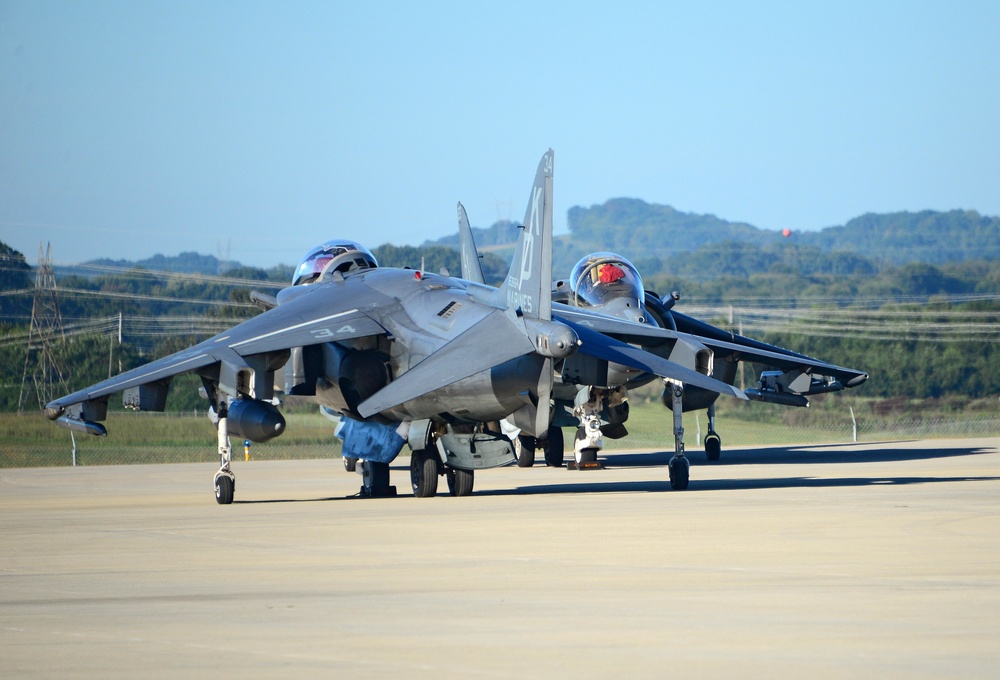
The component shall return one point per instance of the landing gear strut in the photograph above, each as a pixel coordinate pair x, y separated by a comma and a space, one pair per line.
680, 466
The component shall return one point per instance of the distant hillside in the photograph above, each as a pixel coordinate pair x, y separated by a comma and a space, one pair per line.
656, 233
501, 233
927, 236
631, 224
185, 263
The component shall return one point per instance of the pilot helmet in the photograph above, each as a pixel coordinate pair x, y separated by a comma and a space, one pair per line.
340, 256
601, 277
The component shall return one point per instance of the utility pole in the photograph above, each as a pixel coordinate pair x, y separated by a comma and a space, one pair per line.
42, 369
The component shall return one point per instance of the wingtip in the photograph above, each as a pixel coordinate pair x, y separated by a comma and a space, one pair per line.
854, 382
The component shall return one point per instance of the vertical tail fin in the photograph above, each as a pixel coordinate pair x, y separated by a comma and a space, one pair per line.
528, 286
472, 268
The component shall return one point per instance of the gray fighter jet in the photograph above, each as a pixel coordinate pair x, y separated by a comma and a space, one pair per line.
408, 357
594, 398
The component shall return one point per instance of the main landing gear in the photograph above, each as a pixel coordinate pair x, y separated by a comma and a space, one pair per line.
426, 467
552, 446
588, 406
425, 470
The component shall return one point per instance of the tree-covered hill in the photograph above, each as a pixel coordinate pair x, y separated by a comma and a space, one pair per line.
913, 298
927, 236
662, 237
15, 274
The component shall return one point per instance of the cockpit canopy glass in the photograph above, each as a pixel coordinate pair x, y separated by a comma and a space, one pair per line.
601, 277
341, 256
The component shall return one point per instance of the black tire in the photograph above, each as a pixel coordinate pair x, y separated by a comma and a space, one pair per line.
375, 478
588, 456
224, 488
350, 464
460, 482
713, 446
424, 473
679, 476
524, 449
554, 445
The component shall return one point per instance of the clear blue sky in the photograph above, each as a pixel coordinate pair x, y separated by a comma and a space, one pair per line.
260, 129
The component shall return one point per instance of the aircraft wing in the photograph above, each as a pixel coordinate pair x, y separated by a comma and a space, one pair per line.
716, 339
604, 347
322, 315
748, 349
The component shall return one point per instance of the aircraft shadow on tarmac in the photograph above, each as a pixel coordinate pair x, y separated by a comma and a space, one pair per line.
590, 482
798, 455
792, 455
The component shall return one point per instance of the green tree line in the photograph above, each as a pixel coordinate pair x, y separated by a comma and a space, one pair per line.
734, 271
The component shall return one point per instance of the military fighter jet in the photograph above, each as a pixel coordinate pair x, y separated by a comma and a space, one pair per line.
595, 401
408, 357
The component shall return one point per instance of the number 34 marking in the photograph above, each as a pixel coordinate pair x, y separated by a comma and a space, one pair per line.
321, 333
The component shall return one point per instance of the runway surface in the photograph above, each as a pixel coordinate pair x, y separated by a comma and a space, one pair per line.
872, 560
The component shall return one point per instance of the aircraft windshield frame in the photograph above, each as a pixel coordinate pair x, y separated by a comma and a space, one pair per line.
341, 255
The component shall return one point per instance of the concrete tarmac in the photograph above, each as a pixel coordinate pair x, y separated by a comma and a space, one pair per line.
870, 560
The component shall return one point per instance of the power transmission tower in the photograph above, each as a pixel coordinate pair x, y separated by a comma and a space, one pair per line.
42, 369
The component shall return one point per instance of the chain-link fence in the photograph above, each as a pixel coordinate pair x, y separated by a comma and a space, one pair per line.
145, 438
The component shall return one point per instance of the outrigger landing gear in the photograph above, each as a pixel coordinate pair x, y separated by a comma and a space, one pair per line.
225, 480
551, 445
680, 466
713, 442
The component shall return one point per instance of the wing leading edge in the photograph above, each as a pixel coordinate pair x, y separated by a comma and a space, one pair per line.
305, 320
744, 349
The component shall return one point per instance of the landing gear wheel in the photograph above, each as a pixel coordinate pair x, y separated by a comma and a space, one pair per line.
586, 456
524, 449
713, 446
424, 473
350, 464
680, 469
460, 481
554, 445
225, 486
375, 480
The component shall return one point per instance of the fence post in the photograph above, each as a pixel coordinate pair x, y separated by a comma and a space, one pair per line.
73, 437
854, 425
